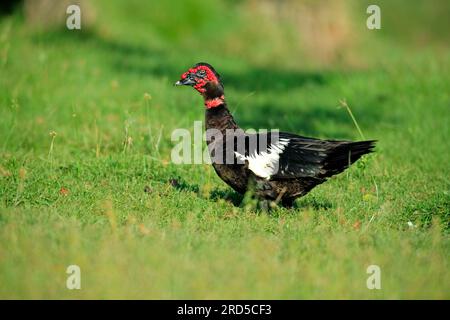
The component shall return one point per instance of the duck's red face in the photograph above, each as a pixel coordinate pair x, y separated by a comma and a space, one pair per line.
199, 77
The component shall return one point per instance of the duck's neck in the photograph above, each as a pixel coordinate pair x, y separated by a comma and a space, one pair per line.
219, 118
214, 102
217, 114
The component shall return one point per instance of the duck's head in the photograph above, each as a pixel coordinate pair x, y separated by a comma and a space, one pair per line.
203, 78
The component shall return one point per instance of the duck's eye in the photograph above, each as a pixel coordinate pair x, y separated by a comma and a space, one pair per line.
201, 73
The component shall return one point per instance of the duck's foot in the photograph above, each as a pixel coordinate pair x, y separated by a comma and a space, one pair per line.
265, 205
258, 204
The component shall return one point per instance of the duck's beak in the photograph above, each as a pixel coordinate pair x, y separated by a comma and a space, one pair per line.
184, 82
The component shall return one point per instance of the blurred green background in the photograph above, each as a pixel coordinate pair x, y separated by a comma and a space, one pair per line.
85, 171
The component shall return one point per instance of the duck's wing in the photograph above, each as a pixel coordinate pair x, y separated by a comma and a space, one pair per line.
286, 156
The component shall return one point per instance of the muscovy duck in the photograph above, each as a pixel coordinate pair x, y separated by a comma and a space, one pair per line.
279, 166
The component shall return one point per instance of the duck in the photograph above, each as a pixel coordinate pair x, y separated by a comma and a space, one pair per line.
276, 167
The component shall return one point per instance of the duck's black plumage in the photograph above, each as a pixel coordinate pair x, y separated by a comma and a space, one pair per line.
283, 168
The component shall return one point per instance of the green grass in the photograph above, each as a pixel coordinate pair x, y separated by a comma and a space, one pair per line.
78, 197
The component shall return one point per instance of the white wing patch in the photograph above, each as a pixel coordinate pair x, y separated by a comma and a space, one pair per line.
265, 164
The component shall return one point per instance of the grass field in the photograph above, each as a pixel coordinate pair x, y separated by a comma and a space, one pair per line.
85, 171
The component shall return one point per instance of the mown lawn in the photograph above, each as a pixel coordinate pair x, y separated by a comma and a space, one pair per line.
86, 176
